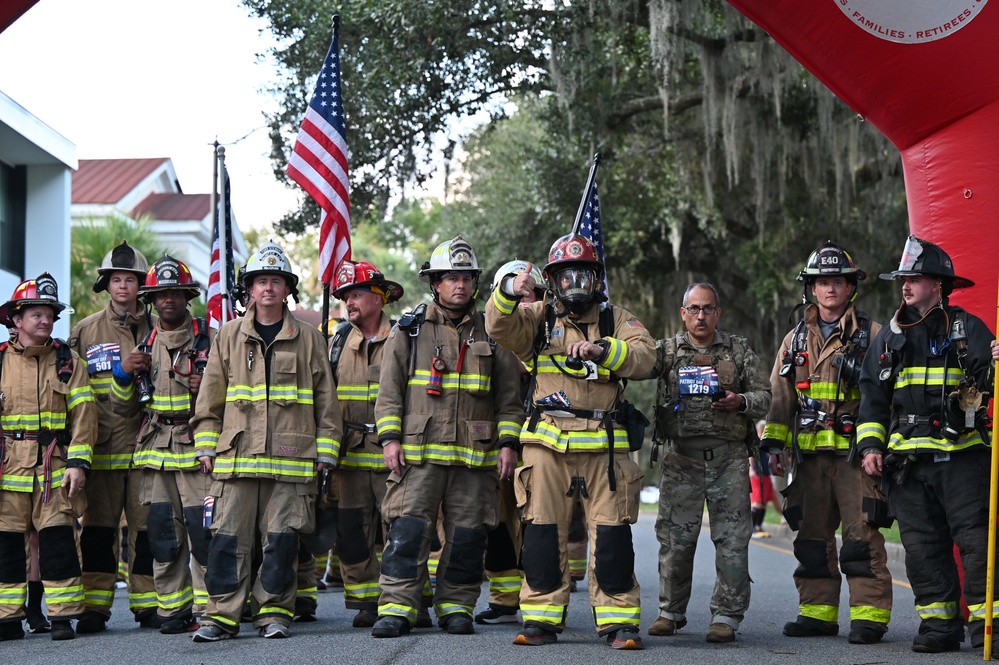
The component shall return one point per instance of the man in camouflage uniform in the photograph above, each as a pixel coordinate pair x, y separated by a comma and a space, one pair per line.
715, 389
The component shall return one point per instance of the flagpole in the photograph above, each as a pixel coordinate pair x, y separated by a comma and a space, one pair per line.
214, 201
223, 239
326, 286
990, 568
586, 192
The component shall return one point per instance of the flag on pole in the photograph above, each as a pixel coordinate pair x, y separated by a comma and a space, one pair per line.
219, 298
589, 228
319, 162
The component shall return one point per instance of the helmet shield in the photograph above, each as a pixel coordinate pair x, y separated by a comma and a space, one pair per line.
920, 257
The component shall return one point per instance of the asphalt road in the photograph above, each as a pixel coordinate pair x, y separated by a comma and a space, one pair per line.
332, 639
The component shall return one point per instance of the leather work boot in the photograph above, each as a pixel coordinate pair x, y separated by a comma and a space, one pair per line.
720, 633
866, 632
458, 624
62, 629
809, 627
423, 619
365, 618
390, 626
930, 644
663, 627
11, 630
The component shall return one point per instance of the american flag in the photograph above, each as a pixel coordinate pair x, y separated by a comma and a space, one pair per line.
218, 293
589, 227
319, 163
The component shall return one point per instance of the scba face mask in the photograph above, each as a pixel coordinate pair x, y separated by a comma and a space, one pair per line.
576, 287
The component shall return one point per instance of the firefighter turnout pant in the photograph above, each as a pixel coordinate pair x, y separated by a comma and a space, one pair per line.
176, 501
413, 500
259, 514
547, 486
58, 551
578, 544
944, 501
359, 495
502, 547
688, 482
825, 491
109, 493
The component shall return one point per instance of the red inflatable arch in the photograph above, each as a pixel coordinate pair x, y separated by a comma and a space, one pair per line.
926, 74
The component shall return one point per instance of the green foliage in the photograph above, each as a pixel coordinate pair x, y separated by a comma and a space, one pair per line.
93, 237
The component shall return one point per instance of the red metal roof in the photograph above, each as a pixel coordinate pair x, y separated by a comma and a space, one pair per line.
174, 206
110, 180
11, 10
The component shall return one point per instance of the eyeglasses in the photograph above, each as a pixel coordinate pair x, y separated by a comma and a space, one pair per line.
694, 310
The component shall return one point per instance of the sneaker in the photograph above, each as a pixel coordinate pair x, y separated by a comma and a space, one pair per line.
625, 638
62, 629
423, 619
497, 614
89, 622
37, 623
809, 627
930, 644
663, 627
760, 533
390, 626
866, 632
211, 633
720, 633
458, 624
274, 631
534, 636
365, 618
11, 630
183, 623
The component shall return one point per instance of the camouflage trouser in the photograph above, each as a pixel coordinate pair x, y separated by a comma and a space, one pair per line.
687, 482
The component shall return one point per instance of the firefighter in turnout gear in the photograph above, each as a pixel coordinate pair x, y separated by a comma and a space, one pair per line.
49, 422
268, 422
159, 381
355, 353
100, 340
816, 394
448, 416
922, 427
504, 541
576, 440
712, 389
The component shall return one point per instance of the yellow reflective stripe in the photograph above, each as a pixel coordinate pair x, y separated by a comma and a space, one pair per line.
608, 616
777, 431
577, 566
972, 438
81, 452
397, 610
172, 601
206, 439
98, 597
273, 609
869, 613
830, 391
33, 421
825, 438
170, 403
142, 600
222, 621
945, 611
976, 612
871, 430
389, 425
292, 393
162, 458
444, 609
453, 381
262, 465
242, 392
363, 591
64, 594
13, 596
327, 447
79, 396
508, 428
504, 303
347, 393
927, 376
450, 454
362, 460
820, 612
505, 584
578, 442
123, 393
543, 613
101, 385
617, 352
111, 462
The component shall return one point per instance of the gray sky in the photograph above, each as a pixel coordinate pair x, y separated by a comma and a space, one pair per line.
133, 78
